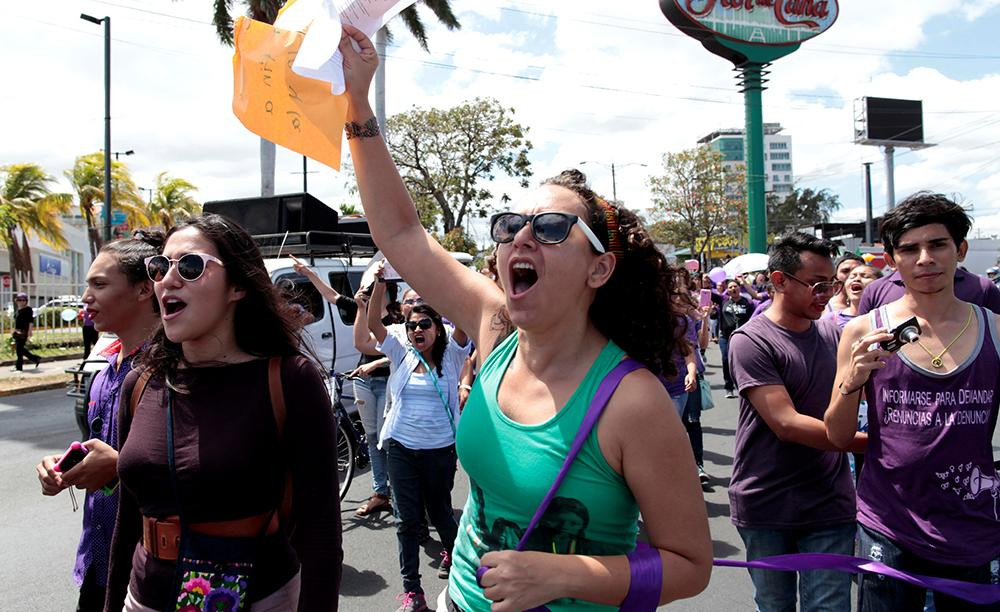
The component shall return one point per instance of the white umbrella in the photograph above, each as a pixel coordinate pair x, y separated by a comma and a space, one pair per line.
751, 262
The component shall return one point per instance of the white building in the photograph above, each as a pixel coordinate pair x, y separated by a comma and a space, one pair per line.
779, 177
57, 272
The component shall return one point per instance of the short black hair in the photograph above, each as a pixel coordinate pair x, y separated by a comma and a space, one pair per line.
847, 257
920, 209
785, 253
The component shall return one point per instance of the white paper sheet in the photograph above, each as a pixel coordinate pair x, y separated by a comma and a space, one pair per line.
318, 56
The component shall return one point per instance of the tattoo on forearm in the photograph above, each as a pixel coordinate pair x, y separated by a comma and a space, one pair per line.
500, 322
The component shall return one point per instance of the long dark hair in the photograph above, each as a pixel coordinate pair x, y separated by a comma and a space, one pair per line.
265, 323
131, 254
634, 308
441, 341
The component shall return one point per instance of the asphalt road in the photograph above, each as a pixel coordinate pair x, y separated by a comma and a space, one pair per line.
38, 534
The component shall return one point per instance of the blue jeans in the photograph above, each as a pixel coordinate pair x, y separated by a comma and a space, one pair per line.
774, 591
369, 397
680, 401
421, 478
881, 594
727, 375
691, 417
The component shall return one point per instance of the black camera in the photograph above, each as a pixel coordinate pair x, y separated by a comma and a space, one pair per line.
905, 333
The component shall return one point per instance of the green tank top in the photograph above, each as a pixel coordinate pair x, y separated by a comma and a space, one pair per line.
511, 467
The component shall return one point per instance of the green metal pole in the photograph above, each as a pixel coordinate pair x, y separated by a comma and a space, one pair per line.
753, 85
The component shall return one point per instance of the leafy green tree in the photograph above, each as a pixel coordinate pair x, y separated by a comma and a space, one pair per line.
172, 201
28, 206
800, 208
87, 178
697, 198
349, 209
458, 241
447, 156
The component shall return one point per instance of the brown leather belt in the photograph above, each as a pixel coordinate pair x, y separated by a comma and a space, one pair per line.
162, 537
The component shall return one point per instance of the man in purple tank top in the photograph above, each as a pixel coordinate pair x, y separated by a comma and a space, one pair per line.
791, 490
928, 496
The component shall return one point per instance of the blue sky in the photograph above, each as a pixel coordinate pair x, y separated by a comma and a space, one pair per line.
595, 81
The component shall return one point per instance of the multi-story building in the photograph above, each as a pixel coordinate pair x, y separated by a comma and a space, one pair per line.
779, 177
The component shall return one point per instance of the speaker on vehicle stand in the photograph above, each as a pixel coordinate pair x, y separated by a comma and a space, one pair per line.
296, 212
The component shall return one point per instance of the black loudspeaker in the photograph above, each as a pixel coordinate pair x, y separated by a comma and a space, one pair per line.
295, 212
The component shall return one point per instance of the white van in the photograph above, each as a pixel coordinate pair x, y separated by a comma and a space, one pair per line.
331, 333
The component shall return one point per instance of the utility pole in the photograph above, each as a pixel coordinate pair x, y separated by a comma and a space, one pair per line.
305, 173
868, 203
107, 119
890, 177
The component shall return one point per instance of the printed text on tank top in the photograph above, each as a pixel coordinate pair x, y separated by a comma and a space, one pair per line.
964, 348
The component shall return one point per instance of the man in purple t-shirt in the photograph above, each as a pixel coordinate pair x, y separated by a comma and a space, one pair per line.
969, 287
791, 489
927, 498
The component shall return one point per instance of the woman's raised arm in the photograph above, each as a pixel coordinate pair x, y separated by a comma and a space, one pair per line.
463, 296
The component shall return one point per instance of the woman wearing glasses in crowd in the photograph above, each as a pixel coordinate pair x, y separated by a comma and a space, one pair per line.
118, 299
583, 285
419, 432
222, 321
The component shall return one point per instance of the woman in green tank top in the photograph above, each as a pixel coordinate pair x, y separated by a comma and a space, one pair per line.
583, 285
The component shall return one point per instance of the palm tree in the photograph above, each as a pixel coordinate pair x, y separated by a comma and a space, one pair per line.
410, 16
87, 179
222, 19
171, 201
267, 11
27, 204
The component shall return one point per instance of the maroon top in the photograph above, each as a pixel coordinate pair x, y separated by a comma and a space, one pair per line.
231, 465
929, 482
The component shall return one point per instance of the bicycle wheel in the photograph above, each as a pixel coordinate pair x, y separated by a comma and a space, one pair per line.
345, 459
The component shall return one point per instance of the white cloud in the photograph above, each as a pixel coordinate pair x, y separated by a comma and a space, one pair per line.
606, 83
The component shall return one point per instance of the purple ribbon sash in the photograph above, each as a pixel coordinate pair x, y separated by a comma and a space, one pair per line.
976, 593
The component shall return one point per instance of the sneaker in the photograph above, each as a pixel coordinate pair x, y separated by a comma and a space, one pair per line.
703, 476
412, 602
375, 503
15, 369
730, 394
444, 570
38, 360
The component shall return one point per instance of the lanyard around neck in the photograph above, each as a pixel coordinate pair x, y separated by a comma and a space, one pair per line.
434, 379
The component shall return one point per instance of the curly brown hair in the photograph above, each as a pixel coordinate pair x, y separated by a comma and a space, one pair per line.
634, 308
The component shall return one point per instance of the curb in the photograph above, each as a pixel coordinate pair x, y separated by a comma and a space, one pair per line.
33, 388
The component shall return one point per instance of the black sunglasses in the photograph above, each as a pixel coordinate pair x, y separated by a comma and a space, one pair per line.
546, 228
190, 267
422, 324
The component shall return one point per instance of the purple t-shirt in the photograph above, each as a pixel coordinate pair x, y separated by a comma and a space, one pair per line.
969, 287
776, 484
929, 482
675, 386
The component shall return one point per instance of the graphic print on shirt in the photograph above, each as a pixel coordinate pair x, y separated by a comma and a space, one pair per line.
929, 409
969, 481
562, 530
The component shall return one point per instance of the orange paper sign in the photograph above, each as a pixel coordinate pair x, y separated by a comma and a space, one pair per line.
275, 103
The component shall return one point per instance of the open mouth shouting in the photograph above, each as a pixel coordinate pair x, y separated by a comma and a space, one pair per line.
522, 277
172, 306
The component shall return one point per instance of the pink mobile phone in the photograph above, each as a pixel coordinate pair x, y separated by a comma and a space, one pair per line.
706, 298
73, 455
